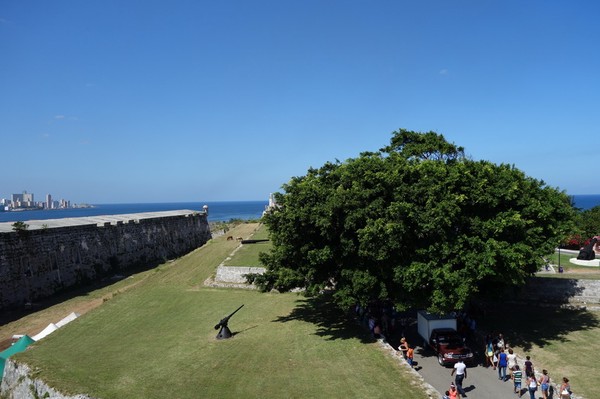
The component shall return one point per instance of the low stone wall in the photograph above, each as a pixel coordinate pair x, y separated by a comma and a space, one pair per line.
235, 274
561, 290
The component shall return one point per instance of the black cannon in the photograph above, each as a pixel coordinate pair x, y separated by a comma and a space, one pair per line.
224, 331
587, 252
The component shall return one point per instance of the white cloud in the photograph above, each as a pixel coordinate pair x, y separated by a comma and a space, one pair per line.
65, 117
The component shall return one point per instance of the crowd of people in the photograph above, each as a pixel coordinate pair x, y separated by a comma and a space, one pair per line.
382, 320
501, 357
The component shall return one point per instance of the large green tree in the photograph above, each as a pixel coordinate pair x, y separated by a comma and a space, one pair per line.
416, 222
589, 222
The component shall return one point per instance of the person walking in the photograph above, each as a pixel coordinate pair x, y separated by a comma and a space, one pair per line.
461, 373
565, 389
495, 358
410, 354
500, 342
502, 363
489, 352
529, 366
531, 386
403, 347
517, 376
453, 392
511, 360
544, 383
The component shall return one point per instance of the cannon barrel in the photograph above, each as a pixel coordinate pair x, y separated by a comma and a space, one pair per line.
225, 320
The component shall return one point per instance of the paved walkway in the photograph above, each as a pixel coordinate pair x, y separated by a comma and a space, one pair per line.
481, 382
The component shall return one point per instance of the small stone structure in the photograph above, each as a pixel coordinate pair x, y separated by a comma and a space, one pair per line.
587, 263
51, 255
235, 274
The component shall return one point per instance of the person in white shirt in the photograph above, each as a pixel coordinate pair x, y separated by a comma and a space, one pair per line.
511, 360
461, 373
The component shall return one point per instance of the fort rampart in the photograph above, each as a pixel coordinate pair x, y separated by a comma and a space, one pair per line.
41, 260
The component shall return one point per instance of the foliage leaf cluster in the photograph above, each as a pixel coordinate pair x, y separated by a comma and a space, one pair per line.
587, 224
417, 222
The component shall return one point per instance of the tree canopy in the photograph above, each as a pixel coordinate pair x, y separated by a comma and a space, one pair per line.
416, 222
587, 225
589, 222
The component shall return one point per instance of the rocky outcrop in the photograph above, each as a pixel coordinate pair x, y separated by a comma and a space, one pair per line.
18, 383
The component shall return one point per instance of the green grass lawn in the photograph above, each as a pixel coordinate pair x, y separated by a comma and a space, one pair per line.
157, 340
571, 270
247, 254
154, 337
563, 341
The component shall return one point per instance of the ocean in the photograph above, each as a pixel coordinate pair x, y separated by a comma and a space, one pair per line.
217, 211
585, 202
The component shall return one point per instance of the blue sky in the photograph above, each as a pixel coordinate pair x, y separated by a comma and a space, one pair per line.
167, 101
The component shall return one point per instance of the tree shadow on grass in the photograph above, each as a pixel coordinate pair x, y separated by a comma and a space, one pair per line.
332, 322
81, 289
541, 312
536, 325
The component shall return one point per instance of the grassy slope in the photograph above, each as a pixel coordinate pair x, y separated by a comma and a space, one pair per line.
563, 341
247, 254
156, 340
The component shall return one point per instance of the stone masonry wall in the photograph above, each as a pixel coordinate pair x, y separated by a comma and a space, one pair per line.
235, 274
35, 264
561, 290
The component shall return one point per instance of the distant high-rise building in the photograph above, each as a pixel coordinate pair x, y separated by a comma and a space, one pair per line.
28, 197
23, 200
17, 199
48, 201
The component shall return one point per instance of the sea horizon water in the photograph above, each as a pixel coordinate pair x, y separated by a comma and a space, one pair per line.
218, 211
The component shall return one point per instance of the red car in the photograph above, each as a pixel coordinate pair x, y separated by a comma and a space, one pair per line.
450, 347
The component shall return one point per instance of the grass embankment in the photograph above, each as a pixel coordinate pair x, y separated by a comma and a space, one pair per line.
563, 341
247, 255
157, 340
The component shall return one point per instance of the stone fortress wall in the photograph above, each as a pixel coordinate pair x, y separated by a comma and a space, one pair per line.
52, 255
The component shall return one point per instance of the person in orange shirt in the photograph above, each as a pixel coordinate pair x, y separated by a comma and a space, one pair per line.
453, 392
410, 352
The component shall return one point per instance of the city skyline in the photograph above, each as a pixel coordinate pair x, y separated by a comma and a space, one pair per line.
26, 200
